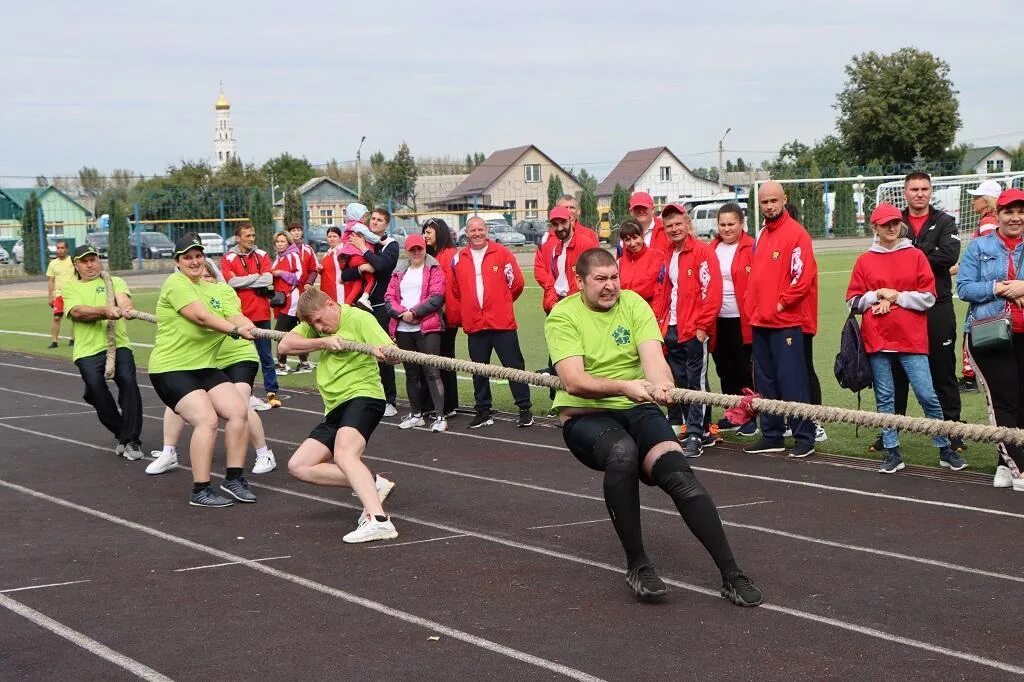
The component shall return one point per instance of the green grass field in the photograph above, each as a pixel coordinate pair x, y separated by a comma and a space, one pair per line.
32, 315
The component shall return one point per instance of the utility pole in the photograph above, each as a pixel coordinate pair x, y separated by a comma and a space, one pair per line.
721, 163
359, 168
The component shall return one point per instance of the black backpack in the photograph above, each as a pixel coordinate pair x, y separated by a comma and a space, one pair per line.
852, 369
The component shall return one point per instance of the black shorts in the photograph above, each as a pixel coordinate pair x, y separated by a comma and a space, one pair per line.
645, 424
171, 387
285, 322
243, 372
361, 414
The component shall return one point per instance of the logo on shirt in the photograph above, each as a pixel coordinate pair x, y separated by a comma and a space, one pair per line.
705, 279
101, 289
621, 335
747, 268
215, 303
775, 255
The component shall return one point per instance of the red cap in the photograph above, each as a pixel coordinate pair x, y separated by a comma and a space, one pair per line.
884, 214
641, 199
1010, 196
674, 208
559, 213
414, 240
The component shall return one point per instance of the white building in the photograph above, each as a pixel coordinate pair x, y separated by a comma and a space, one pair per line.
658, 172
224, 147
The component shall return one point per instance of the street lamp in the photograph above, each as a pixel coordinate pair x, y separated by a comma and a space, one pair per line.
359, 168
721, 168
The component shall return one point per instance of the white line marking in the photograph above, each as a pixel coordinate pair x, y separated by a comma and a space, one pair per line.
843, 625
230, 563
52, 414
418, 542
563, 525
80, 640
21, 333
37, 587
743, 504
433, 626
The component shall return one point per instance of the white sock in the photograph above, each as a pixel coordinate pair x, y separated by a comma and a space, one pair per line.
262, 452
170, 450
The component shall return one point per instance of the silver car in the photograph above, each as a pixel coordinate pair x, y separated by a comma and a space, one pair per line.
213, 245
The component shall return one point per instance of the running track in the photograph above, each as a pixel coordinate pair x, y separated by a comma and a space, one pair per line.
505, 566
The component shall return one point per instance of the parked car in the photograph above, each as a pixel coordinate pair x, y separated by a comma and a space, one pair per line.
18, 250
533, 230
705, 219
399, 233
100, 241
154, 245
499, 231
5, 257
213, 245
317, 238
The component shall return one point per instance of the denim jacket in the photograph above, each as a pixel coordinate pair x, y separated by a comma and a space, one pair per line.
983, 264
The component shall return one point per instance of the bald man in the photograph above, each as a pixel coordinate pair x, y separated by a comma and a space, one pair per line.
783, 280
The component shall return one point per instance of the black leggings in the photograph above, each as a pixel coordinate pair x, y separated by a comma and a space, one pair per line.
286, 323
1000, 374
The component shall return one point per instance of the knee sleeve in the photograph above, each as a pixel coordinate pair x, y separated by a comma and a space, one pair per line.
618, 453
672, 474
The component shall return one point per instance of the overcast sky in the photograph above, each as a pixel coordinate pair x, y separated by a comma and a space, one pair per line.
132, 84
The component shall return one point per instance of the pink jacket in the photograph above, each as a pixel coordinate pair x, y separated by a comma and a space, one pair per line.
428, 310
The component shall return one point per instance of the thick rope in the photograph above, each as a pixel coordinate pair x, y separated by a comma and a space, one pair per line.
816, 413
108, 367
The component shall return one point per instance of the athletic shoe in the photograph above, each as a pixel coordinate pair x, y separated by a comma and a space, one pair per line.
53, 344
645, 582
1003, 477
551, 414
132, 452
119, 449
893, 461
765, 445
71, 343
303, 368
481, 419
788, 433
950, 460
737, 588
163, 463
725, 425
1018, 485
282, 369
207, 497
370, 529
710, 440
450, 413
384, 487
967, 385
257, 404
542, 370
748, 430
264, 463
877, 446
440, 424
238, 488
958, 444
692, 447
525, 418
411, 421
390, 410
802, 450
273, 400
819, 434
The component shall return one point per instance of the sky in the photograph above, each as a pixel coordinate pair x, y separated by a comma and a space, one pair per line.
132, 85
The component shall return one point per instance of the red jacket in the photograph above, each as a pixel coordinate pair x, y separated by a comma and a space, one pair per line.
452, 312
329, 274
659, 239
782, 271
740, 271
502, 283
698, 290
904, 329
646, 274
247, 273
289, 262
545, 263
310, 266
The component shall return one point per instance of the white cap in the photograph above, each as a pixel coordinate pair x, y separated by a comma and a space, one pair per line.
989, 188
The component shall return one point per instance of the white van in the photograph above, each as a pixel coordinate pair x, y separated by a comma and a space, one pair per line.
705, 219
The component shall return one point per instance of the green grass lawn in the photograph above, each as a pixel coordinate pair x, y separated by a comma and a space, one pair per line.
32, 315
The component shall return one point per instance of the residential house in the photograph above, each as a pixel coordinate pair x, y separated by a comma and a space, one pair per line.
325, 201
986, 160
61, 214
658, 172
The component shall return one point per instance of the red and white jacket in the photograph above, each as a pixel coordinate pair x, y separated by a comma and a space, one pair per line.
646, 273
502, 284
289, 282
782, 271
904, 329
740, 271
698, 290
246, 273
545, 263
310, 266
452, 312
330, 274
655, 238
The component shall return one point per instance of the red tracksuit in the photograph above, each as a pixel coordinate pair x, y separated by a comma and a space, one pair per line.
782, 271
740, 271
698, 290
545, 263
502, 284
646, 274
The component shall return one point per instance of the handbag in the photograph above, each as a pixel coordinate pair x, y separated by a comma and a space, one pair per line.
278, 299
994, 334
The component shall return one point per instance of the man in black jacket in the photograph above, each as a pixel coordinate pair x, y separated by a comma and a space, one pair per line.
380, 260
935, 233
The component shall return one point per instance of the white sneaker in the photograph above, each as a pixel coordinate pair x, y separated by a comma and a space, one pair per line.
788, 433
1003, 477
411, 421
132, 452
384, 488
164, 462
439, 425
1018, 484
364, 301
370, 529
257, 404
390, 410
819, 434
264, 463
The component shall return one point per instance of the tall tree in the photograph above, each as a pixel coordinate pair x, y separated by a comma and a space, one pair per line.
554, 190
90, 181
588, 207
844, 215
399, 181
586, 180
288, 171
813, 210
292, 208
31, 229
261, 215
42, 181
118, 250
895, 106
619, 209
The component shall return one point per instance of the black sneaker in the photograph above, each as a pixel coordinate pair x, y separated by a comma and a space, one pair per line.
765, 445
877, 446
967, 385
802, 450
748, 430
208, 498
481, 419
958, 444
645, 582
71, 343
53, 344
692, 447
709, 440
725, 425
238, 488
525, 418
893, 461
950, 460
737, 588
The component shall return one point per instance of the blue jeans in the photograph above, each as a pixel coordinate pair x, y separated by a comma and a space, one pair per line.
266, 353
917, 369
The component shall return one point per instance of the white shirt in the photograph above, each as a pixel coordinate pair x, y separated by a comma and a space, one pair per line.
478, 262
562, 282
673, 274
726, 253
411, 290
648, 233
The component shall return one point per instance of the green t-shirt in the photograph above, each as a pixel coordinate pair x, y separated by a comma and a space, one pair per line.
63, 273
343, 376
606, 341
233, 350
180, 343
91, 337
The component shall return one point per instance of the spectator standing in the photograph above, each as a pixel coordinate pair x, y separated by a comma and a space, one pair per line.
441, 246
642, 269
641, 207
984, 204
329, 270
310, 266
59, 273
287, 272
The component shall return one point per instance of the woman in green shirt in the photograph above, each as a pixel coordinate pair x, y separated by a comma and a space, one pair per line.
191, 325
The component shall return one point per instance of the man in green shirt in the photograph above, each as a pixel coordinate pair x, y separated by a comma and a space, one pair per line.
607, 350
59, 273
350, 385
85, 300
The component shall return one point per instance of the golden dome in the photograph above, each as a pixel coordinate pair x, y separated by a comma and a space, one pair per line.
222, 103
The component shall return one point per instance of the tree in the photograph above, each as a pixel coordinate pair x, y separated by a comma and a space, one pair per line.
292, 208
478, 158
398, 176
31, 230
588, 207
261, 215
896, 106
288, 171
844, 214
554, 190
812, 211
586, 180
89, 181
118, 250
619, 209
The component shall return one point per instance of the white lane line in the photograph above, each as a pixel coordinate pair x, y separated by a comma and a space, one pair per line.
82, 641
563, 525
417, 542
51, 414
583, 496
37, 587
834, 622
18, 332
433, 626
230, 563
743, 504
